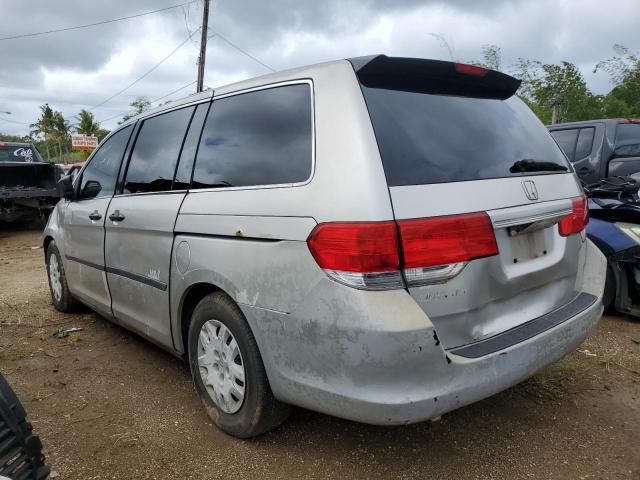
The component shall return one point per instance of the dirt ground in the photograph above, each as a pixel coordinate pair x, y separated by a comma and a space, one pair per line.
109, 405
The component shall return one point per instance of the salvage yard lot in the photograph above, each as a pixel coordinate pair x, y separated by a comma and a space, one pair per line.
108, 404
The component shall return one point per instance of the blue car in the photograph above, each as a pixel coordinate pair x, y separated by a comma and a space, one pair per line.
614, 227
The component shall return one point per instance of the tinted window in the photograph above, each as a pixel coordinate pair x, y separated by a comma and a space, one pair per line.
567, 141
185, 165
256, 138
425, 138
155, 153
19, 153
99, 178
628, 139
585, 141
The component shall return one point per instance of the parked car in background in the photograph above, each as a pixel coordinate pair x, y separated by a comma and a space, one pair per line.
614, 208
27, 183
381, 239
600, 148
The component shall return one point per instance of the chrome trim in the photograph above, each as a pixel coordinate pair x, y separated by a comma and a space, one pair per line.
510, 222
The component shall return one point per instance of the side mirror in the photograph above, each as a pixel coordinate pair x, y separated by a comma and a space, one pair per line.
65, 187
91, 189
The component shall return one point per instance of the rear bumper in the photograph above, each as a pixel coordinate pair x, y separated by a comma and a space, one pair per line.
389, 368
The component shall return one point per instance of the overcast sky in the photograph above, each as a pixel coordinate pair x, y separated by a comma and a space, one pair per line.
82, 68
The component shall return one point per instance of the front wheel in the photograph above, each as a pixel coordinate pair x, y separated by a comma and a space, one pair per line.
228, 372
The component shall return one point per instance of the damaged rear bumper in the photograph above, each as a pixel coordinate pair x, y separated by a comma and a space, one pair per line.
390, 368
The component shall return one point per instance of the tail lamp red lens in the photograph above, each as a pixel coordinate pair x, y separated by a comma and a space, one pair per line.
467, 69
443, 240
577, 220
356, 247
374, 247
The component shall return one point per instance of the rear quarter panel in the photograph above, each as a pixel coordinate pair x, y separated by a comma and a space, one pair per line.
251, 241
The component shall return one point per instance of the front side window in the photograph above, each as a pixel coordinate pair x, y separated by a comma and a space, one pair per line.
257, 138
628, 140
99, 178
155, 153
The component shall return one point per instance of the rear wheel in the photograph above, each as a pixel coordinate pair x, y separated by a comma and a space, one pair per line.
228, 372
60, 294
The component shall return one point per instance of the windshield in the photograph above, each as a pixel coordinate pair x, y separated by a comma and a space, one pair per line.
18, 153
425, 138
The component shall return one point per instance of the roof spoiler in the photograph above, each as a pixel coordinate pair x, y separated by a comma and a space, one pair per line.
433, 76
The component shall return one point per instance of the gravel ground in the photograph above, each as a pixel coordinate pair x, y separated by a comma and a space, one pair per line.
109, 405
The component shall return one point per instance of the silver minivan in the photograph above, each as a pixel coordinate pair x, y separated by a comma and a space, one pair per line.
380, 239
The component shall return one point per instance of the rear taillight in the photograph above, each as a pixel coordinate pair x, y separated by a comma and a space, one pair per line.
436, 249
577, 220
360, 254
430, 250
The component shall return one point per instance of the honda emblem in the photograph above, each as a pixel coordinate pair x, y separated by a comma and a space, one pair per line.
530, 189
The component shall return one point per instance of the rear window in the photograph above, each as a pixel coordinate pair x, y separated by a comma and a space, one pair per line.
425, 138
19, 153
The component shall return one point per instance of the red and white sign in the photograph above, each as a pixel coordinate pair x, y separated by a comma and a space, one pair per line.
83, 142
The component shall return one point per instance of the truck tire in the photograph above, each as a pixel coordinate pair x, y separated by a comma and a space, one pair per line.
20, 450
237, 395
60, 294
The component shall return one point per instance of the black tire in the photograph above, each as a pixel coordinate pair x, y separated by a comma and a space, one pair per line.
609, 295
260, 411
20, 450
66, 302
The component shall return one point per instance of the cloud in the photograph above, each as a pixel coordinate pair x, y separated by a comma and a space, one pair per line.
81, 68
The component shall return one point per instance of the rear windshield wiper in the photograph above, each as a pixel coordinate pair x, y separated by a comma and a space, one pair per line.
530, 165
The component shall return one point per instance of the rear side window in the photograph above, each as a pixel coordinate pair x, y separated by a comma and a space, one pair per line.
155, 153
628, 140
567, 141
584, 143
188, 154
99, 176
257, 138
425, 138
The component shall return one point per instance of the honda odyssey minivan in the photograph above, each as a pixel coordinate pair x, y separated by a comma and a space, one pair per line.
380, 239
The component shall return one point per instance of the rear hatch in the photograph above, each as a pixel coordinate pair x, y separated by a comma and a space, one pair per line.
490, 215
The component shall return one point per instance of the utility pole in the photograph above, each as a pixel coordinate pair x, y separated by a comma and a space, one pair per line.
203, 45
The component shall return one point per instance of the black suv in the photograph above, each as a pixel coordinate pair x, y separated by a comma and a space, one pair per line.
600, 148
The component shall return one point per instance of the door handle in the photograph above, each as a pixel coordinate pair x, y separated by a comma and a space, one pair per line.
95, 216
116, 216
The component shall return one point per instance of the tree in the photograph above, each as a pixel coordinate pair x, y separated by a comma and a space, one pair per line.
87, 124
61, 129
44, 127
139, 105
624, 70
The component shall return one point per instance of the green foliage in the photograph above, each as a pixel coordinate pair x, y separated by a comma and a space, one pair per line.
87, 124
549, 87
139, 105
4, 137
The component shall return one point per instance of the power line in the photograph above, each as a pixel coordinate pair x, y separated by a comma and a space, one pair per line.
152, 101
144, 74
35, 34
229, 42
